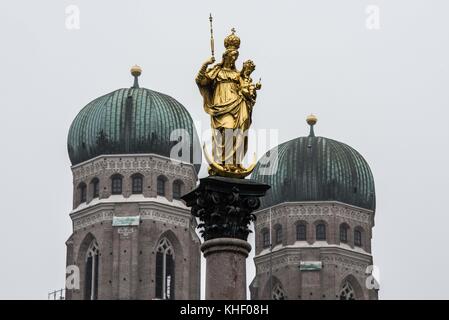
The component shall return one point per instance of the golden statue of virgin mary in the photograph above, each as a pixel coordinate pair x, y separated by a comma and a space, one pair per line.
229, 96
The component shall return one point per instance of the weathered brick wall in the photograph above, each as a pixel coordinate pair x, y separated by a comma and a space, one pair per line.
340, 261
128, 253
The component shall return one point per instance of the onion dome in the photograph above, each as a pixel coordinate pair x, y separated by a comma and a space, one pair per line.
316, 169
131, 121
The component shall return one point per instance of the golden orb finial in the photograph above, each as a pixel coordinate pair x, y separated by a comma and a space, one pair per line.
311, 119
136, 70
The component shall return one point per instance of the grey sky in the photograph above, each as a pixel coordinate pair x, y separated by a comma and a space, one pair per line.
384, 92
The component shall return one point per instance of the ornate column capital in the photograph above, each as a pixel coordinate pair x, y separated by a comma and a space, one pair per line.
225, 206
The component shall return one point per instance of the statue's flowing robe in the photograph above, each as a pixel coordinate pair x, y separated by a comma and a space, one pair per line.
220, 88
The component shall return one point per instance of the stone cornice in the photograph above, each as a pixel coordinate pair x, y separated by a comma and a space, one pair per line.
329, 255
165, 217
162, 202
313, 211
131, 163
277, 261
165, 207
324, 249
91, 218
351, 263
79, 214
155, 211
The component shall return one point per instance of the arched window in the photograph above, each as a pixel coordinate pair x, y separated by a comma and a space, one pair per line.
161, 185
91, 272
278, 293
320, 232
301, 232
358, 237
265, 238
344, 233
116, 184
137, 183
95, 184
83, 192
347, 292
177, 189
278, 233
165, 270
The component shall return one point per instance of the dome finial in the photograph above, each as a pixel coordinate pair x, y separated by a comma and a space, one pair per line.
136, 71
311, 120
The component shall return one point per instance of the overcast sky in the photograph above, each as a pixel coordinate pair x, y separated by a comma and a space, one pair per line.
381, 88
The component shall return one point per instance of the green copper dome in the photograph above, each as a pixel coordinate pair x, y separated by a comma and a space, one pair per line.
317, 169
130, 121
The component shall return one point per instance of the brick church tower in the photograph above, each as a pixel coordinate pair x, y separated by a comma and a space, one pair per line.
133, 238
314, 228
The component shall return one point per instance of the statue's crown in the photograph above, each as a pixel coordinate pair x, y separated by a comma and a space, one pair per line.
232, 41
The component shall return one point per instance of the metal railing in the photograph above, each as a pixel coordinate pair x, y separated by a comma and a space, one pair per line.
57, 295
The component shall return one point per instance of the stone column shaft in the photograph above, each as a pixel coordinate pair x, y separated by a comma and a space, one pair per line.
226, 268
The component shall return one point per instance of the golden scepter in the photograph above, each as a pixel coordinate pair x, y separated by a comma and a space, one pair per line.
211, 35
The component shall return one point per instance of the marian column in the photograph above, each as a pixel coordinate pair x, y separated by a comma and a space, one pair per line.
224, 207
224, 202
